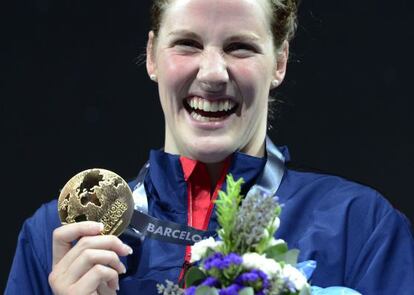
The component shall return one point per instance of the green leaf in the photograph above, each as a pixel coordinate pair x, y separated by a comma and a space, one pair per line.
280, 253
278, 210
194, 276
291, 257
227, 206
277, 251
246, 291
205, 290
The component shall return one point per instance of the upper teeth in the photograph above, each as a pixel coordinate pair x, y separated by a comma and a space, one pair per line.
210, 106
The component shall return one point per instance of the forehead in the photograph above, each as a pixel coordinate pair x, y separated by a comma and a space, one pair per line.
218, 14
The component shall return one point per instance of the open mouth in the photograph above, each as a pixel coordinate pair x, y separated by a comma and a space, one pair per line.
205, 110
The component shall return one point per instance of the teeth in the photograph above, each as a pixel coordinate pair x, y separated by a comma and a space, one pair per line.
221, 106
201, 118
226, 105
210, 106
214, 106
207, 106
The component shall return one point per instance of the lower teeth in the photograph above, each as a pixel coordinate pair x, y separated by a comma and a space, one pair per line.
201, 118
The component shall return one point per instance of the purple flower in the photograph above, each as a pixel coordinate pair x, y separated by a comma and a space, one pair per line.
253, 278
211, 282
190, 291
231, 290
235, 259
248, 277
217, 260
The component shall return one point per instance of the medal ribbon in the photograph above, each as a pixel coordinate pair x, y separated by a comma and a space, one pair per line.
167, 231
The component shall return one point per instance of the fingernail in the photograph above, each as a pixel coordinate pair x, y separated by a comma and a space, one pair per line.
123, 268
117, 287
129, 249
101, 226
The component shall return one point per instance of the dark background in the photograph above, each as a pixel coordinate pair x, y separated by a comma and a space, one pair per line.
73, 97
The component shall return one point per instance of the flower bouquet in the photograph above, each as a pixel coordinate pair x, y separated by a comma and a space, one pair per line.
247, 259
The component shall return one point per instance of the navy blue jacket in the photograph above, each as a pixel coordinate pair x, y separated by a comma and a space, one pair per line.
356, 237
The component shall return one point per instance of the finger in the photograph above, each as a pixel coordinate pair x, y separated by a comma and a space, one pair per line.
98, 274
90, 257
64, 236
108, 242
113, 283
104, 289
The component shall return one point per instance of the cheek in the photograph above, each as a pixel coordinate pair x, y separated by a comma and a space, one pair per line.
252, 80
173, 74
174, 70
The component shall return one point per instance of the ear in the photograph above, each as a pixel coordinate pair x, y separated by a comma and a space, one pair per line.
282, 56
150, 61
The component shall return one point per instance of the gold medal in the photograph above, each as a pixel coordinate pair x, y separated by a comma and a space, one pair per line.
97, 195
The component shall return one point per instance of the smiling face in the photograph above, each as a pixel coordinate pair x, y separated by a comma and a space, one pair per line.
215, 62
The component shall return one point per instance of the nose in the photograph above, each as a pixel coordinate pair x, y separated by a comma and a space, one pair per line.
212, 74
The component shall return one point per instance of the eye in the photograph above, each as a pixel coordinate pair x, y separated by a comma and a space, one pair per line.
241, 49
187, 44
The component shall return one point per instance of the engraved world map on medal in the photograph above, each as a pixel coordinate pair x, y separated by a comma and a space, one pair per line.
97, 195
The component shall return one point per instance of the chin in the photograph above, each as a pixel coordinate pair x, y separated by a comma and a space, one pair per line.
211, 151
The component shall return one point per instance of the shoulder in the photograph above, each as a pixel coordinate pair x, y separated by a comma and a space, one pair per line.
325, 190
46, 217
343, 225
337, 203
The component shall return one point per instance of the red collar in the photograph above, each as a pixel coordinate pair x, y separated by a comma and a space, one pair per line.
199, 197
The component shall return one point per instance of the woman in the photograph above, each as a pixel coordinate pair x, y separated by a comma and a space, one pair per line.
215, 63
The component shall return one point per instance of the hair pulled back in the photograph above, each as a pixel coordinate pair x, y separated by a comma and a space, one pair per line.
283, 16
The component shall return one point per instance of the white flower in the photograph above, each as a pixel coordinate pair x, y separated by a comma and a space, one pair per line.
274, 242
294, 277
276, 223
257, 261
199, 249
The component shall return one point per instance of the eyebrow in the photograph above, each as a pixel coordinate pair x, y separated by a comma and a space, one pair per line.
186, 33
247, 36
244, 37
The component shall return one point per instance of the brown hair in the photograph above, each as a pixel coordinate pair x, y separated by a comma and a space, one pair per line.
282, 22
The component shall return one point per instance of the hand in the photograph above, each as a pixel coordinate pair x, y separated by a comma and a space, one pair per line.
91, 266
